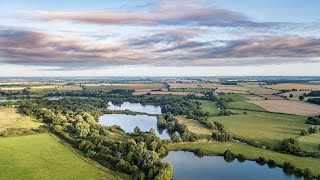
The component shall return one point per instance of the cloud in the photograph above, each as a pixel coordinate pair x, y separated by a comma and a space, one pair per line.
289, 46
166, 12
169, 48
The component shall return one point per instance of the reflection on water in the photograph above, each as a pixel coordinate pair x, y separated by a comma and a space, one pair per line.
129, 122
136, 107
188, 166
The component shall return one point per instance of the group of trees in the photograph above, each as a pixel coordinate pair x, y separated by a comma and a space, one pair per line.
313, 120
291, 146
74, 119
178, 131
314, 100
221, 134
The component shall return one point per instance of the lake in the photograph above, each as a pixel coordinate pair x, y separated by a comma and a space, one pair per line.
188, 166
129, 122
136, 107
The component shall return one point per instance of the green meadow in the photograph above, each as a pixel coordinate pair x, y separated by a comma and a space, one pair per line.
43, 157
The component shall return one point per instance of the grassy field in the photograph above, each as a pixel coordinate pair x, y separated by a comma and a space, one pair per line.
109, 87
43, 157
233, 97
9, 116
263, 127
197, 90
289, 107
244, 105
310, 143
166, 93
209, 106
27, 123
218, 148
194, 126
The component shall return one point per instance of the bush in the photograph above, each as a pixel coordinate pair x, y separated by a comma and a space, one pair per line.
291, 146
288, 167
308, 173
313, 120
241, 158
228, 156
199, 152
261, 160
304, 132
271, 163
222, 136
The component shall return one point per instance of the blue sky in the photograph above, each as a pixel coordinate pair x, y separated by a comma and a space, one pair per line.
160, 38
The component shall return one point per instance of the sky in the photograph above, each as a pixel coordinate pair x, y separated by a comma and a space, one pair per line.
160, 38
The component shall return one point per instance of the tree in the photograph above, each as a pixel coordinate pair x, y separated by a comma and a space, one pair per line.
137, 130
291, 146
308, 173
152, 131
175, 137
291, 96
228, 156
288, 167
165, 172
301, 98
241, 158
82, 129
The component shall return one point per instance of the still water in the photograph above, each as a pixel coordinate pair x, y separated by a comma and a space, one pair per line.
6, 100
136, 107
188, 166
129, 122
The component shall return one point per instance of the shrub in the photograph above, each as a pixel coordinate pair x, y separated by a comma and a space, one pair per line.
308, 173
271, 163
291, 146
304, 132
228, 156
261, 160
288, 167
241, 158
199, 152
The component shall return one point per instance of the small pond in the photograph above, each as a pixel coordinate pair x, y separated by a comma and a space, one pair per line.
188, 166
6, 100
136, 107
129, 122
54, 98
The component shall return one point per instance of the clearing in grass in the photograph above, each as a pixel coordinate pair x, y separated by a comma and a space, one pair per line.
9, 116
209, 106
194, 126
43, 157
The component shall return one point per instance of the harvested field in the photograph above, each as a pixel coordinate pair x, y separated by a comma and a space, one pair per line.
9, 116
251, 84
18, 88
271, 97
194, 126
225, 91
108, 87
166, 93
219, 88
195, 85
290, 86
289, 107
69, 88
295, 94
261, 90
